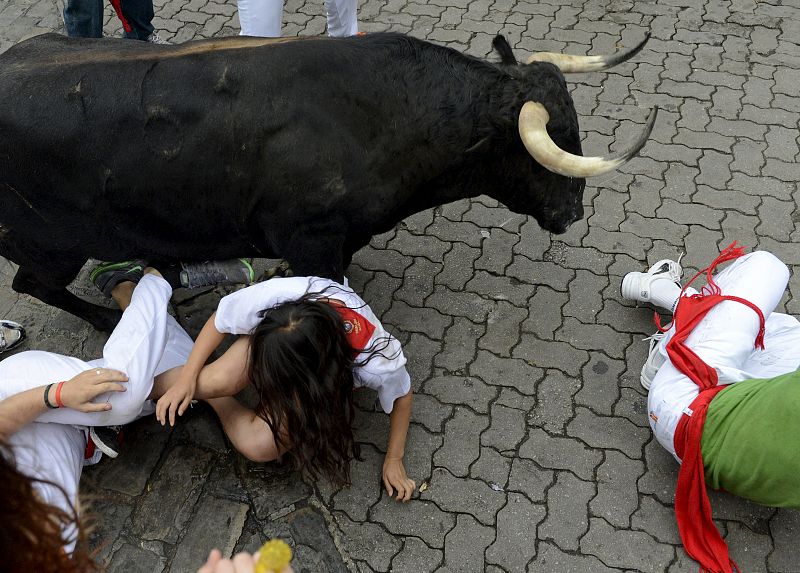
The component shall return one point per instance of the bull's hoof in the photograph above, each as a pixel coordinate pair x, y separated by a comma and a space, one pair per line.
282, 269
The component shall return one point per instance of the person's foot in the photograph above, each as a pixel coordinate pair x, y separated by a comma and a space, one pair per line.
106, 439
655, 360
11, 335
657, 285
106, 276
154, 38
212, 273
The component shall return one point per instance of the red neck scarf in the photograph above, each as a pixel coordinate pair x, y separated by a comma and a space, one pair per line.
700, 537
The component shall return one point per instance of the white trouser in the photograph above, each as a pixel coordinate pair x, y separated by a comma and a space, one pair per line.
146, 342
725, 339
264, 17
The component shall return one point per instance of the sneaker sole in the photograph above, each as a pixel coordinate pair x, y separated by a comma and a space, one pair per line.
106, 267
104, 448
630, 289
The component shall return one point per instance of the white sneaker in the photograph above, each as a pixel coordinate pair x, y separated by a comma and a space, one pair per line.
11, 334
154, 38
636, 286
655, 360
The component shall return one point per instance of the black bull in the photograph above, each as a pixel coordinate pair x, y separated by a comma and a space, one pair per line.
238, 147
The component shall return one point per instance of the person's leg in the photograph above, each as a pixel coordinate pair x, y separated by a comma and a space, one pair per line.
342, 17
136, 17
84, 18
226, 376
725, 338
260, 17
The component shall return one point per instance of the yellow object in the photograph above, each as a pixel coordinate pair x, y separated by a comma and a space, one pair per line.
275, 555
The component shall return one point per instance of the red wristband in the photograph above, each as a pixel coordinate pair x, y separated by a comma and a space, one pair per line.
59, 403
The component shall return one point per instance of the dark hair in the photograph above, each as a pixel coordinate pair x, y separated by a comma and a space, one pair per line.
301, 364
31, 535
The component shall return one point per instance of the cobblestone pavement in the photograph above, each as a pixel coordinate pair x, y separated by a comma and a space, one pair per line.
529, 426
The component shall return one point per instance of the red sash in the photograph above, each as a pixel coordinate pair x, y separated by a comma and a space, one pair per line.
357, 328
700, 537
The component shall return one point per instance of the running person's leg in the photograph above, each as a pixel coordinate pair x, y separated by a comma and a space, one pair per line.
260, 17
342, 17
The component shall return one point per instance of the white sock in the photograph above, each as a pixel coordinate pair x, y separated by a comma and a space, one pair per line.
665, 293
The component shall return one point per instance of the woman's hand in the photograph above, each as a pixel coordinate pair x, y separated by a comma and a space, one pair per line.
176, 399
241, 563
395, 478
78, 392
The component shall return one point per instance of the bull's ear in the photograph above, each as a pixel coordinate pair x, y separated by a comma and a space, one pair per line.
504, 49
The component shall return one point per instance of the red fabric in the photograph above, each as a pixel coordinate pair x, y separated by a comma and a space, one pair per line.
117, 4
59, 403
357, 328
700, 537
89, 451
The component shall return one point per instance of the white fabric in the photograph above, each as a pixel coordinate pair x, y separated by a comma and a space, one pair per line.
385, 373
725, 338
264, 17
146, 342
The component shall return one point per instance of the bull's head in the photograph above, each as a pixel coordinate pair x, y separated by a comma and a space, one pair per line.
552, 138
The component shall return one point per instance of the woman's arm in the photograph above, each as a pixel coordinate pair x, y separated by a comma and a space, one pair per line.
249, 434
177, 398
394, 472
21, 409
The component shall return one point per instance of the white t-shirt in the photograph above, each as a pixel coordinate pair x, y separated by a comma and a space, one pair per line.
385, 372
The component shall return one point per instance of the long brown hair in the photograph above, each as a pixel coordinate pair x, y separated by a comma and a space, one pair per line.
31, 535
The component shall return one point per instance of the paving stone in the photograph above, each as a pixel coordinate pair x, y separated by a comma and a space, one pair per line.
418, 459
461, 303
468, 391
661, 473
617, 497
491, 467
465, 545
554, 402
501, 288
567, 518
550, 558
517, 524
427, 321
784, 527
365, 491
217, 523
599, 388
541, 273
368, 542
656, 519
554, 452
506, 429
513, 373
130, 559
593, 337
625, 549
460, 342
168, 505
464, 495
273, 489
417, 245
416, 557
458, 266
585, 296
608, 432
418, 282
461, 444
541, 322
430, 523
502, 329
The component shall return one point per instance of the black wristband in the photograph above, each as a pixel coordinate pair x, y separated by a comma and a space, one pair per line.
46, 401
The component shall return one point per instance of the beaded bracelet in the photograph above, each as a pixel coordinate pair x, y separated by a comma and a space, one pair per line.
46, 401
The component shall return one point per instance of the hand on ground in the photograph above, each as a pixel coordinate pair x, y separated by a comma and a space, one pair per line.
395, 479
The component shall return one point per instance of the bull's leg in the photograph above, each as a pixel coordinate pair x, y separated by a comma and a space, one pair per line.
51, 289
319, 255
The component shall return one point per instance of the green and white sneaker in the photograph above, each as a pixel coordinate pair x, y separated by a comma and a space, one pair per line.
213, 273
106, 276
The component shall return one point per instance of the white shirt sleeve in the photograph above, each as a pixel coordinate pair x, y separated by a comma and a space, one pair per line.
237, 313
386, 374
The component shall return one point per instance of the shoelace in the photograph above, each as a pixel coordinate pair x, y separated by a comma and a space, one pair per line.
654, 339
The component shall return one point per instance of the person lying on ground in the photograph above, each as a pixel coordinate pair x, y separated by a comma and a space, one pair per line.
50, 403
724, 389
304, 343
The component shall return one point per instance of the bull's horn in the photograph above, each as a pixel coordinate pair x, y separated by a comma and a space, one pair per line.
568, 64
533, 130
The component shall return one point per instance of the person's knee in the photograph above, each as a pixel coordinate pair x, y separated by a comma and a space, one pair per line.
769, 265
